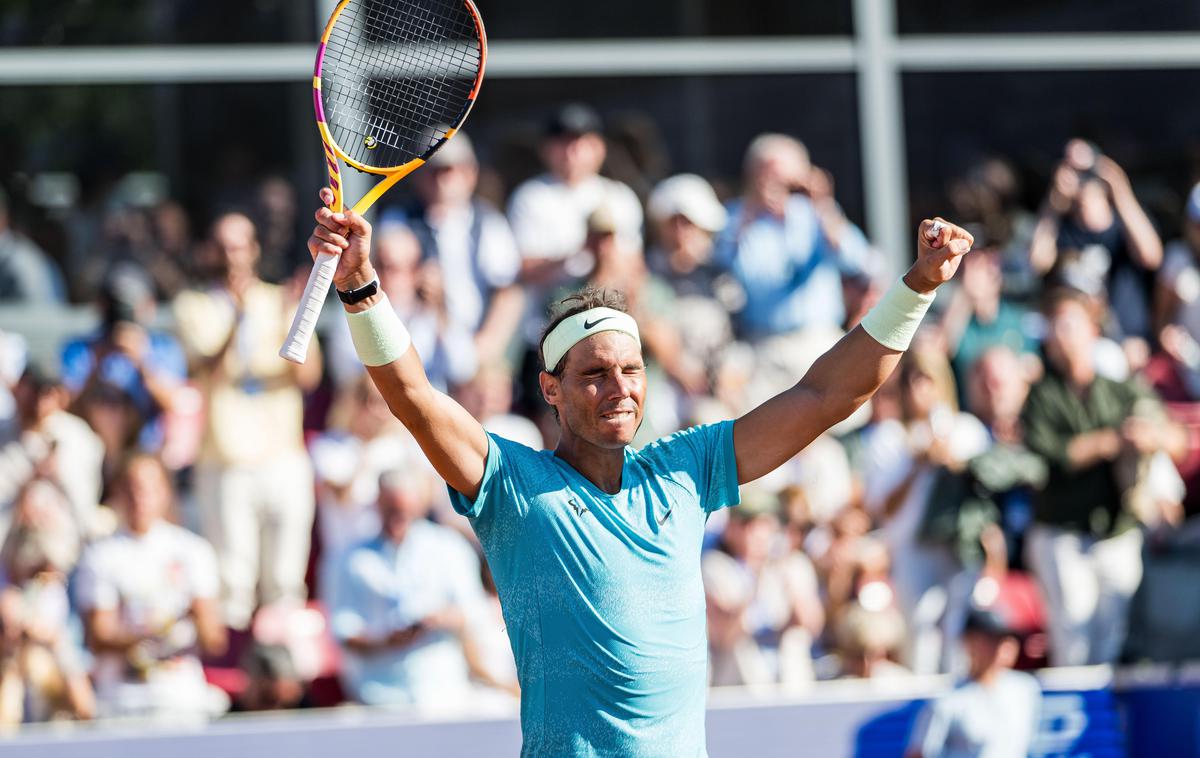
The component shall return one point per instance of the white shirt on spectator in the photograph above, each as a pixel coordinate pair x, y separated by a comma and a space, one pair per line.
346, 462
549, 217
1180, 274
974, 721
476, 267
151, 581
888, 459
382, 587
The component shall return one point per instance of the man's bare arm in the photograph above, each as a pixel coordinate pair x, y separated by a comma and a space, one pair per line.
450, 437
843, 378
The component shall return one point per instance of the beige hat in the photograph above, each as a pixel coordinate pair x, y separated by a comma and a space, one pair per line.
690, 196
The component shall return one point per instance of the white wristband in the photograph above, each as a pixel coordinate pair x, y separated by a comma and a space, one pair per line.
895, 318
379, 335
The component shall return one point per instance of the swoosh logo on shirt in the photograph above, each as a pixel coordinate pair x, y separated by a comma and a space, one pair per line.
664, 518
589, 324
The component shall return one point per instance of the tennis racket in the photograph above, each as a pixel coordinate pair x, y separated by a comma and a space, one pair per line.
394, 80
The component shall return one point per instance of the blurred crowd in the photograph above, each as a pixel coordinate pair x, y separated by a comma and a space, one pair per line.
191, 525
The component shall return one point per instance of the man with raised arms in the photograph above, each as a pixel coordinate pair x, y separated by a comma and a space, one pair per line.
595, 546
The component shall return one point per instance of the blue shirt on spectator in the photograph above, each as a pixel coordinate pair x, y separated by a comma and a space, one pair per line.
790, 272
164, 357
381, 587
602, 594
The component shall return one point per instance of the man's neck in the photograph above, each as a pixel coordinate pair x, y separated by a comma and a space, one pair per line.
1081, 373
600, 466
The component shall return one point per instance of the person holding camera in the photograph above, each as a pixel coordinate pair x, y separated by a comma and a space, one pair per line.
125, 354
787, 243
1093, 235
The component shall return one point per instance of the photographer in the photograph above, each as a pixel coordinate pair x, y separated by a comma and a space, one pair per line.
1093, 235
144, 364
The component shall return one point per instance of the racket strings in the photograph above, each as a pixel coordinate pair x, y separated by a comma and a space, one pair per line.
396, 75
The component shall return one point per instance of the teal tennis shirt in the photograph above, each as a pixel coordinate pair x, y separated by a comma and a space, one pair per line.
601, 593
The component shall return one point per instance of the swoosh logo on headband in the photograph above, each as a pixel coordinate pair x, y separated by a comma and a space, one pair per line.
589, 324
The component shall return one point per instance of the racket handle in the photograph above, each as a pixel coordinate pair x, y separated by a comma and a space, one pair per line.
305, 323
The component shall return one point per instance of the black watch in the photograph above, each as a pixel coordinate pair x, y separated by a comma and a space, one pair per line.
350, 297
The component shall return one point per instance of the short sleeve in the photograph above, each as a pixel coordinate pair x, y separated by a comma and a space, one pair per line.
94, 591
703, 454
489, 488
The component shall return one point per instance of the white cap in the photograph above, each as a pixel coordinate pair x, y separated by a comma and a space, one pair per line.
690, 196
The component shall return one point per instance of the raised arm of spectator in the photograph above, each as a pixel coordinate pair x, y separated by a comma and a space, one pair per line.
1043, 245
845, 377
450, 437
1143, 240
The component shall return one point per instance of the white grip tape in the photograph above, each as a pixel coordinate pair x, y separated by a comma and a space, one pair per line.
295, 349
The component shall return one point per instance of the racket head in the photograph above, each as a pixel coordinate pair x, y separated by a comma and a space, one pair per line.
395, 79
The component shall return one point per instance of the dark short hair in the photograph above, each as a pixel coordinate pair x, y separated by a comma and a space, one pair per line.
584, 300
1061, 294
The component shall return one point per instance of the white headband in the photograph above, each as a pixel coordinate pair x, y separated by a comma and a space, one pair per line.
572, 329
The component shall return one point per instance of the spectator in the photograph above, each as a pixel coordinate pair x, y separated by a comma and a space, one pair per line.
41, 674
51, 443
549, 212
1177, 304
787, 242
687, 215
1084, 546
979, 318
254, 483
418, 293
904, 460
868, 627
764, 609
148, 596
402, 602
471, 242
272, 682
27, 275
1007, 474
1093, 235
125, 353
362, 442
995, 712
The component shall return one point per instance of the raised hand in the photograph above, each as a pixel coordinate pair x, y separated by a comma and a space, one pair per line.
345, 234
940, 248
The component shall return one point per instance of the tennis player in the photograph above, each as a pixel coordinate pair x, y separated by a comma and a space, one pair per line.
595, 546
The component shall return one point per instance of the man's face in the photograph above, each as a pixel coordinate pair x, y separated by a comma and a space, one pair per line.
986, 650
1071, 334
998, 385
452, 185
147, 494
399, 508
236, 245
574, 157
600, 392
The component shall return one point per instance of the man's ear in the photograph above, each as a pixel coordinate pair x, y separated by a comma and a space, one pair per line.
550, 387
